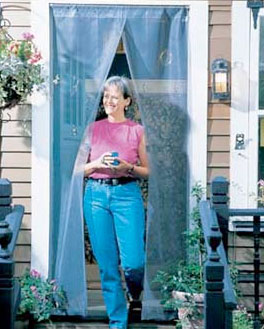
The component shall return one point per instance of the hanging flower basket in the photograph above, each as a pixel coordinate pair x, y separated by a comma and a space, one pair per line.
20, 69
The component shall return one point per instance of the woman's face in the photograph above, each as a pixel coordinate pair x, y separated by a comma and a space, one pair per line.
114, 101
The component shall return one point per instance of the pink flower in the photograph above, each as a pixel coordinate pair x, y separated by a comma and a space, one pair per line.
36, 57
260, 306
261, 182
14, 47
33, 288
28, 36
35, 274
52, 281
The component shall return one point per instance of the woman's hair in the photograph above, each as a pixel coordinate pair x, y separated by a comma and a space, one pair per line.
123, 84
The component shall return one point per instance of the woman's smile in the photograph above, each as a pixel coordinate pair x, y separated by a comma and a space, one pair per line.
114, 101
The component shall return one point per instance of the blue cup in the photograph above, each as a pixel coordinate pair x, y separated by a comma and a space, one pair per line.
115, 162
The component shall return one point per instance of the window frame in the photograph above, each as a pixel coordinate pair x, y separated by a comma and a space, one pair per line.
245, 111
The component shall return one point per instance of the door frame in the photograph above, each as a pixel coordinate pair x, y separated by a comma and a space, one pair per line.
244, 107
42, 112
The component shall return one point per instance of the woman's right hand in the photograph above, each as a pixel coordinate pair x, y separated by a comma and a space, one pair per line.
103, 162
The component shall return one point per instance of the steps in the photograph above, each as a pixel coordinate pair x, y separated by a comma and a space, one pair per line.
97, 318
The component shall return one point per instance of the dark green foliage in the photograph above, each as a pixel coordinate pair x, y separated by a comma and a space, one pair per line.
186, 276
40, 297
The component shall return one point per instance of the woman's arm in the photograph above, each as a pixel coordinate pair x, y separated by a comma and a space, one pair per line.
127, 168
141, 171
90, 167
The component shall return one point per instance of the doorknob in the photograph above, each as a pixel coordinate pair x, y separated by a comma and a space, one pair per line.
74, 130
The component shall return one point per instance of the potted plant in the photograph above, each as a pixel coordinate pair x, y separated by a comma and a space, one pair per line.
20, 69
40, 298
260, 197
182, 285
241, 319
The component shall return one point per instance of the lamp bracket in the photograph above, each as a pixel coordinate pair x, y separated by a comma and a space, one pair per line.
5, 24
255, 6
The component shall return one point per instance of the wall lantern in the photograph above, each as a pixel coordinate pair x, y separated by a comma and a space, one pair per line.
220, 79
255, 6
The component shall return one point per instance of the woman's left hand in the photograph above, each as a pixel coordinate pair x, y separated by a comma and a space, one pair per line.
122, 167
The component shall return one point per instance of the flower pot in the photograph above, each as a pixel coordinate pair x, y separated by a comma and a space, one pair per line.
186, 296
12, 98
21, 324
188, 320
191, 312
24, 321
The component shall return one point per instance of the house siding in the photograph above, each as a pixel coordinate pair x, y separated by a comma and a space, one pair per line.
218, 135
15, 144
15, 159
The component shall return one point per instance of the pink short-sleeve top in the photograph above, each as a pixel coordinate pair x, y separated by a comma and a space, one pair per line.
122, 137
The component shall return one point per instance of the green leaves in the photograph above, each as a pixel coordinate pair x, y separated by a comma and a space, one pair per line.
241, 319
40, 297
20, 70
186, 276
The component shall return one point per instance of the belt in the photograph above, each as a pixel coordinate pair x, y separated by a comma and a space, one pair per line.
113, 181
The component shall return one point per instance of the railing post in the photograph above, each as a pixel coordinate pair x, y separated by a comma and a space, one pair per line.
6, 263
219, 201
256, 232
214, 312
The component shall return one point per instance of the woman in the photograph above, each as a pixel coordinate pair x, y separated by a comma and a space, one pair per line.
113, 206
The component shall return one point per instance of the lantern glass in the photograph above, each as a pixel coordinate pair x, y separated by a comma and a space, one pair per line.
220, 82
220, 86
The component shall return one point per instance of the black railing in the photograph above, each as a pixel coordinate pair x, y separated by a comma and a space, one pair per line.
255, 213
220, 298
219, 202
10, 222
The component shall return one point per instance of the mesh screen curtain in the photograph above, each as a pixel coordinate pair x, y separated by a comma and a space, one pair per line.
85, 39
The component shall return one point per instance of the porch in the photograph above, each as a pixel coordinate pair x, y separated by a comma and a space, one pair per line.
219, 295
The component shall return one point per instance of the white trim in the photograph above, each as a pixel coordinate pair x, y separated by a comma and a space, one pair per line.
198, 91
41, 3
253, 114
41, 150
244, 109
42, 126
239, 189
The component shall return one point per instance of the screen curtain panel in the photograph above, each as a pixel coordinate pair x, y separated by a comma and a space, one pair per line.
85, 39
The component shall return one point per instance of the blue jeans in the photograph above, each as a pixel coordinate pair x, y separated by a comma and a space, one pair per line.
115, 220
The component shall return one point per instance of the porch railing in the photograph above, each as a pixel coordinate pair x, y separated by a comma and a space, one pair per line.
220, 298
219, 202
10, 222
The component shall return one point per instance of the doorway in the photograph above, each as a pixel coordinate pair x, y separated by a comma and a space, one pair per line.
155, 40
42, 207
